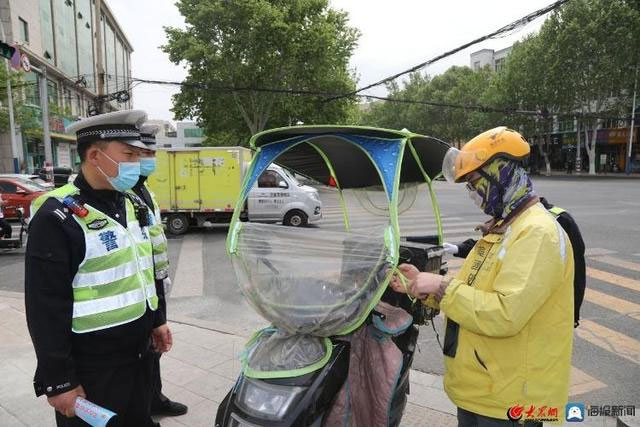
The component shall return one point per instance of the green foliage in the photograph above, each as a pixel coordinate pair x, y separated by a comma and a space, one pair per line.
22, 117
299, 44
458, 85
582, 60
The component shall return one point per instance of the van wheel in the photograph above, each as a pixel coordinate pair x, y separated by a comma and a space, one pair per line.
177, 224
295, 218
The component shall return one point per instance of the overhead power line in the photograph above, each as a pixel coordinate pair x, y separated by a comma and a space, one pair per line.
218, 88
507, 28
468, 107
487, 109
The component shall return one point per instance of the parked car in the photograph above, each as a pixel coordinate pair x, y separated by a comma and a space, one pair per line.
28, 177
60, 174
19, 192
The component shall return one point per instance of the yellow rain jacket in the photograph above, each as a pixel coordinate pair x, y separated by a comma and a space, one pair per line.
516, 319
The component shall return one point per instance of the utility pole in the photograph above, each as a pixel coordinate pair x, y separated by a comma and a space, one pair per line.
633, 118
99, 59
44, 105
578, 145
12, 123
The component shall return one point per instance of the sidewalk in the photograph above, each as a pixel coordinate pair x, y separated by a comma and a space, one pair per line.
198, 371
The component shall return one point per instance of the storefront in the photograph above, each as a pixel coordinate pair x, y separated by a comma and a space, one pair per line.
63, 146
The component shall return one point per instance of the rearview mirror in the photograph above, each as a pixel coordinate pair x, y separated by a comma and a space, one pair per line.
282, 184
20, 191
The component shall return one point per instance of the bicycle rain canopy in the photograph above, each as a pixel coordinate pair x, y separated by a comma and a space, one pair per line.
314, 283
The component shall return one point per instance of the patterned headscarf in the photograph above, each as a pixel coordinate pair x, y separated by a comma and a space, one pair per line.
504, 187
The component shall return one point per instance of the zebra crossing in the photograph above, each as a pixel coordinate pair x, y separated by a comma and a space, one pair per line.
610, 309
412, 222
600, 297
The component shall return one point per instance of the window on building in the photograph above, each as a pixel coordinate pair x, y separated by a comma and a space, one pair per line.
67, 101
566, 125
499, 64
84, 29
194, 133
31, 88
52, 92
24, 31
64, 25
46, 30
476, 65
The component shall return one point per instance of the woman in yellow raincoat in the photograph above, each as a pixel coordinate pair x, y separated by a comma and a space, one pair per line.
509, 327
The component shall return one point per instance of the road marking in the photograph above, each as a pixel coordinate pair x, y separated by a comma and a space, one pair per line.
598, 251
614, 279
612, 303
609, 340
618, 262
580, 382
189, 278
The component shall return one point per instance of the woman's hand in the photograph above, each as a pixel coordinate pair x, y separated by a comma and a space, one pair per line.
425, 284
409, 272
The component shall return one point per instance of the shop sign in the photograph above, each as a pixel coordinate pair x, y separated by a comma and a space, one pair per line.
64, 155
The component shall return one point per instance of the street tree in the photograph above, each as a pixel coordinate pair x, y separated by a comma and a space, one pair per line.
457, 86
591, 51
233, 50
523, 83
24, 117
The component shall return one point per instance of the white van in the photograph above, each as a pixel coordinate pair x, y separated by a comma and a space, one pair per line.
277, 196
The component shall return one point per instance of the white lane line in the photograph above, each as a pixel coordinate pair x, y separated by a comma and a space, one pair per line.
598, 251
189, 278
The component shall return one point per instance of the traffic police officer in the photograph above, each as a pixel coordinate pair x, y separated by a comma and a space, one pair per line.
160, 404
91, 299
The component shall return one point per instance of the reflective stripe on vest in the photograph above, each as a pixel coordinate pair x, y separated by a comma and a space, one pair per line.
114, 282
556, 211
158, 241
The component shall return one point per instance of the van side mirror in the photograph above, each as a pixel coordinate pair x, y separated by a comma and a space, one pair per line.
20, 191
282, 184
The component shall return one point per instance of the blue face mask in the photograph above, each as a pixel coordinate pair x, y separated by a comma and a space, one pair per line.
128, 174
147, 165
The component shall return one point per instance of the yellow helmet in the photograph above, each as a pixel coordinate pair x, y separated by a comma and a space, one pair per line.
497, 142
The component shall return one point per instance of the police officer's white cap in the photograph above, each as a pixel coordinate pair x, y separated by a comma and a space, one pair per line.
122, 126
148, 133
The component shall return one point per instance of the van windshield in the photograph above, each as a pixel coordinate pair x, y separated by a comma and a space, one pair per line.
291, 177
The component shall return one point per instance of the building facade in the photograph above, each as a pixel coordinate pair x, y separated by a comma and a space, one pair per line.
184, 134
560, 146
87, 57
494, 59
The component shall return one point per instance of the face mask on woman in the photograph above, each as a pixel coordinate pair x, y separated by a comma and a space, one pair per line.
475, 196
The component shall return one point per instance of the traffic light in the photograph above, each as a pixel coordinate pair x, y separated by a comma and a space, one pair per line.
6, 51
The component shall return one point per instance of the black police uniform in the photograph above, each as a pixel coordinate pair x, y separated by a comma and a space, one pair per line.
112, 365
157, 398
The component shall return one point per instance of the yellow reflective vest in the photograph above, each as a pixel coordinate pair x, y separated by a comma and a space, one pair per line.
158, 241
513, 301
114, 282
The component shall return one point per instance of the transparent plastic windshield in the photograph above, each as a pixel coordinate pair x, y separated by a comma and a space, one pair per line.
313, 280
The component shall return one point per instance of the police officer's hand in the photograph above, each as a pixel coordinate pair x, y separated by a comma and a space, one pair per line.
65, 403
162, 339
425, 284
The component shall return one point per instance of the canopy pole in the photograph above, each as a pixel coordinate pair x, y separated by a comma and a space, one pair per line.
343, 206
434, 200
